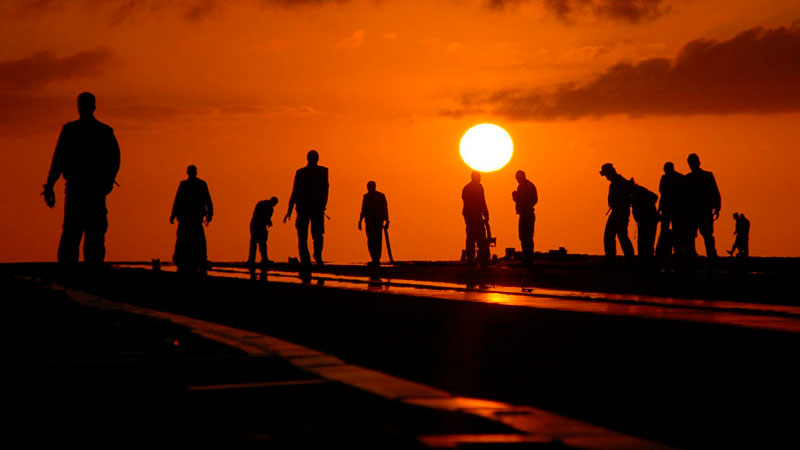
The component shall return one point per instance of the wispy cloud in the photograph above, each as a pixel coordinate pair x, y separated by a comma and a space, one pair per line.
266, 111
353, 41
142, 113
43, 68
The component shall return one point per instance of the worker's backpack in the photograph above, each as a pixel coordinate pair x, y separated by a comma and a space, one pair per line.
643, 203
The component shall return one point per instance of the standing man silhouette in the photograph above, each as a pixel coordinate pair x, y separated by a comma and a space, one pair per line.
375, 212
262, 218
645, 213
310, 195
476, 215
704, 202
192, 208
670, 211
619, 203
87, 156
525, 198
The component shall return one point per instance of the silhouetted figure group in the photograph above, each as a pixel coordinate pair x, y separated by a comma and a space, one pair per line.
87, 156
689, 204
476, 218
193, 209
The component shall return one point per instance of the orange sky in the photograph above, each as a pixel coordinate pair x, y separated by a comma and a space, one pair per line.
384, 90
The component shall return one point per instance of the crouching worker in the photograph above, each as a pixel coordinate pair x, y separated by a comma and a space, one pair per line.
262, 219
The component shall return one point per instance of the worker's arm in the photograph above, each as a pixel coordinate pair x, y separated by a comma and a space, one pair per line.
56, 169
114, 161
363, 210
716, 197
292, 199
176, 205
209, 205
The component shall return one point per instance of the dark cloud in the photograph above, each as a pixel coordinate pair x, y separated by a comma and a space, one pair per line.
758, 71
120, 10
632, 11
300, 2
43, 68
200, 9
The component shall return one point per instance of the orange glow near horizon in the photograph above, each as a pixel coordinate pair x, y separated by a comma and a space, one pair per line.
385, 92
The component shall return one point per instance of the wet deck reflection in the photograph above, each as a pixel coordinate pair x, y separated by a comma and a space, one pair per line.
750, 315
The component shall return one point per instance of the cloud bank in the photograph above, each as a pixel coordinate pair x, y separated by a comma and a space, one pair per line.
120, 10
757, 71
631, 11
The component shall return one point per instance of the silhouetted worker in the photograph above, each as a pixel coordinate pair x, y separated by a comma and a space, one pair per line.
476, 215
192, 208
525, 198
262, 218
742, 232
671, 214
645, 213
704, 203
375, 212
619, 203
87, 156
310, 195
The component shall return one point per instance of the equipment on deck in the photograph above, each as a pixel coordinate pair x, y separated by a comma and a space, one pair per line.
492, 241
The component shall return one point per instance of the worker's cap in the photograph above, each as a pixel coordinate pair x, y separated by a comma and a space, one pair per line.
607, 169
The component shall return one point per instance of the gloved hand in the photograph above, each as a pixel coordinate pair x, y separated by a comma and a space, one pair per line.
49, 196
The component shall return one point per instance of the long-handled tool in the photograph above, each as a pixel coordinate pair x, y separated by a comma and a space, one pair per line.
491, 241
388, 244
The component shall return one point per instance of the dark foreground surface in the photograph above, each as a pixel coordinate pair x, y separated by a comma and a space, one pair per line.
74, 375
687, 384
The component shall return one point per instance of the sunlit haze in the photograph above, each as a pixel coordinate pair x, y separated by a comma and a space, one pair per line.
385, 90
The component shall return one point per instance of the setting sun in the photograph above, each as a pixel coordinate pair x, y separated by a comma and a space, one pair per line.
486, 147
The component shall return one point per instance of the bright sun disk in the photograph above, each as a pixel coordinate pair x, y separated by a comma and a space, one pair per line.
486, 147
